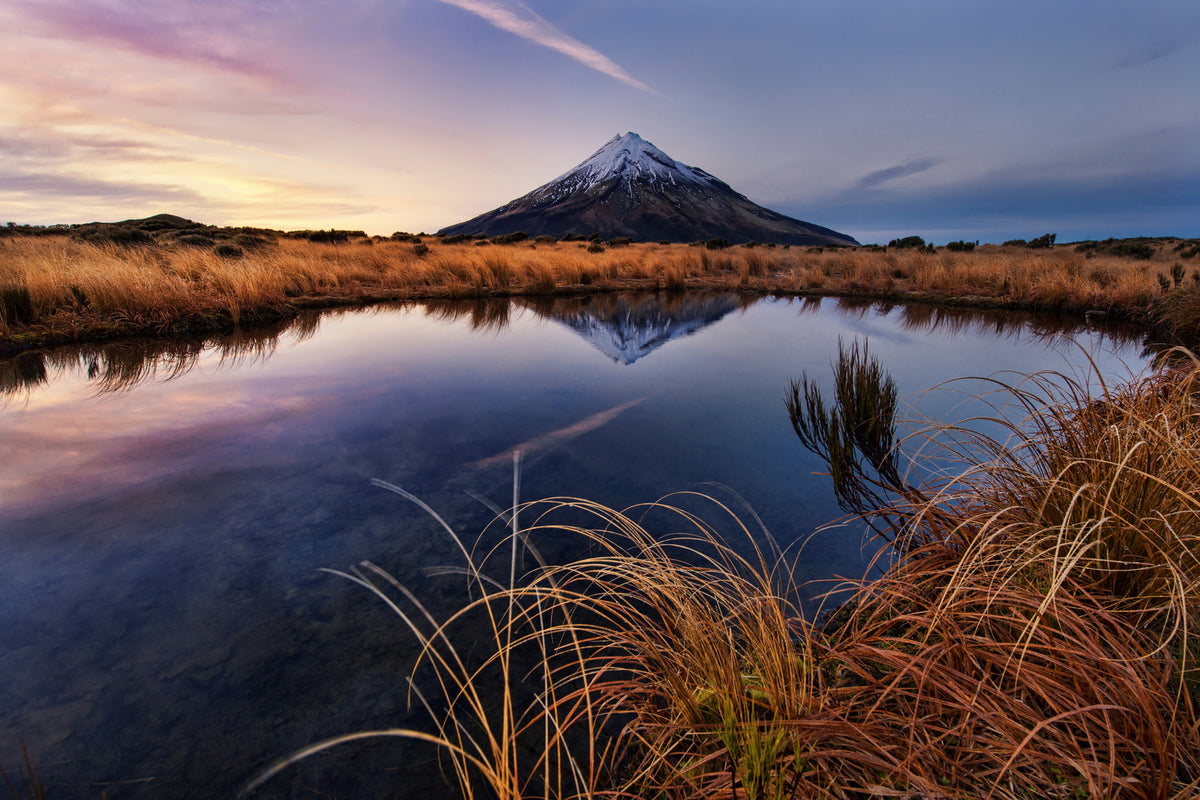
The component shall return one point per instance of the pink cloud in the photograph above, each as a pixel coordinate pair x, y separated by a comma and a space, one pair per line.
513, 16
202, 34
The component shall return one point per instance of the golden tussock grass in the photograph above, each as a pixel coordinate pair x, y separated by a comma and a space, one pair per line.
77, 287
1035, 637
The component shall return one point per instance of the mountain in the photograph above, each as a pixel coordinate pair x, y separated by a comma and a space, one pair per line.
631, 188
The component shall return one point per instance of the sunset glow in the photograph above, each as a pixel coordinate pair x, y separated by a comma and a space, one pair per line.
872, 118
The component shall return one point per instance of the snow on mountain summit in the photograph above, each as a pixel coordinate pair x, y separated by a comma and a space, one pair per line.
630, 188
632, 158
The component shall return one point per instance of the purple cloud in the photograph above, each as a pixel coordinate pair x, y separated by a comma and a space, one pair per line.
913, 166
1160, 48
515, 17
44, 184
56, 145
192, 34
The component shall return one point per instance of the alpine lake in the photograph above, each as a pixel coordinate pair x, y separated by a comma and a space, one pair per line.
167, 507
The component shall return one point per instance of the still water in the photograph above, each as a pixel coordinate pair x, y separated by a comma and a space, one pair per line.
166, 507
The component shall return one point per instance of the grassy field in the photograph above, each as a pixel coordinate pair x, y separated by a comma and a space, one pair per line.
58, 288
1037, 636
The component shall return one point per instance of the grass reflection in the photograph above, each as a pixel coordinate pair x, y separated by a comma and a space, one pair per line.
120, 366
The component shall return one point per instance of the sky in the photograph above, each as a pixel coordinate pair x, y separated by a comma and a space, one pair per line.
948, 119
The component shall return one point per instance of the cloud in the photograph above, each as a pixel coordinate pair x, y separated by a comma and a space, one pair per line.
1123, 185
519, 19
1023, 200
43, 185
911, 167
47, 144
171, 32
1158, 49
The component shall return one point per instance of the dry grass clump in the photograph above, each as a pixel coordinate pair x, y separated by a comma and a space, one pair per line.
105, 279
1176, 318
1035, 637
1051, 279
1103, 490
1072, 538
923, 691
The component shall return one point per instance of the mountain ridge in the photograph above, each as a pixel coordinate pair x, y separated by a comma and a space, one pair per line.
630, 188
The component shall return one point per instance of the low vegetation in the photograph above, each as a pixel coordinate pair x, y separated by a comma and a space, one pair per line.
1034, 636
1036, 629
169, 274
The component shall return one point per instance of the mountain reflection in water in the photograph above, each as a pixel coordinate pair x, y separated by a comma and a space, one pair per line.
624, 327
627, 329
166, 507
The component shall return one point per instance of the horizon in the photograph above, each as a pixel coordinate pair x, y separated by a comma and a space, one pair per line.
876, 121
1060, 241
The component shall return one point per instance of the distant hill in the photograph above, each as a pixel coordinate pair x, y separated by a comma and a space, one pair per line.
630, 188
172, 229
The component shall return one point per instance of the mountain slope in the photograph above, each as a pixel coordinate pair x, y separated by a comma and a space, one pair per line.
631, 188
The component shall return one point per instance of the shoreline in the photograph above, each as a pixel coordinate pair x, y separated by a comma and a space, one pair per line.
56, 291
985, 584
99, 331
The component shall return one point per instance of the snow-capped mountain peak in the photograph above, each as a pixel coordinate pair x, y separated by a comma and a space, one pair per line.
629, 157
630, 188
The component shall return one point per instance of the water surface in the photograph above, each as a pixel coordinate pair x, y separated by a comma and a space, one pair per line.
165, 507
